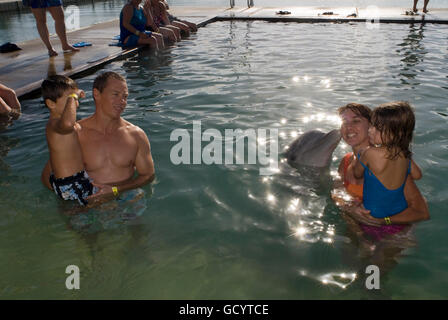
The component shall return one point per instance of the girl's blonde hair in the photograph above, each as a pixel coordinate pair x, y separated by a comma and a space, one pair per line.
396, 122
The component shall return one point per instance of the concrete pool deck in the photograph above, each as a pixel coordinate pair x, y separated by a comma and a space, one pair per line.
24, 70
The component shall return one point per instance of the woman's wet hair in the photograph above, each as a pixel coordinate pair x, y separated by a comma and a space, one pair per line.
396, 122
100, 82
357, 108
54, 87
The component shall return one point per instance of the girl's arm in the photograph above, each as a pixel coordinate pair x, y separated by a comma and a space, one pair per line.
358, 169
416, 172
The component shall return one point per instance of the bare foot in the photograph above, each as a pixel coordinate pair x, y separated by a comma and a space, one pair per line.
415, 9
425, 11
52, 53
70, 48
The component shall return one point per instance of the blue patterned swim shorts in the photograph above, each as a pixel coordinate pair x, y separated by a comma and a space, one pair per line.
77, 187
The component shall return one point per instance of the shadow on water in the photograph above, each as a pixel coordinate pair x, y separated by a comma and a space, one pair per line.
240, 49
413, 52
52, 67
116, 239
6, 144
126, 210
366, 249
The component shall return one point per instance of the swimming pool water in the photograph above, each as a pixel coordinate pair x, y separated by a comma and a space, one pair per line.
224, 231
18, 27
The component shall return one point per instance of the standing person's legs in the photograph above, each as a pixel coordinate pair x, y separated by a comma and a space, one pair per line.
58, 15
415, 6
424, 6
41, 22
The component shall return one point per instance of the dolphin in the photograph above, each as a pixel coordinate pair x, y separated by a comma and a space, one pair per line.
313, 148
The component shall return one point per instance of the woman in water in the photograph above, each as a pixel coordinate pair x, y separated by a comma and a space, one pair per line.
386, 163
354, 130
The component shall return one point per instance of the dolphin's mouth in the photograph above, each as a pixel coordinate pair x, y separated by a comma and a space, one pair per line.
315, 153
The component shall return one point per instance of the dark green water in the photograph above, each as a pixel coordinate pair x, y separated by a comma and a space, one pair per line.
224, 231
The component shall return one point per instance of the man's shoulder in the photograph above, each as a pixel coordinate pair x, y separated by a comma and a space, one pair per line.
130, 126
84, 124
85, 121
133, 129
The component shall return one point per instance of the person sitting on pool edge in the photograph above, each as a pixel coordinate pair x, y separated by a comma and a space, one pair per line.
113, 149
160, 16
68, 179
354, 131
133, 21
9, 104
184, 25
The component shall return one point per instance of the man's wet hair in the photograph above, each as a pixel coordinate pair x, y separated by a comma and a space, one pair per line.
54, 87
357, 108
101, 81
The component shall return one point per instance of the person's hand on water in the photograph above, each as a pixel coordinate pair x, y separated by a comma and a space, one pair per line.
104, 193
361, 214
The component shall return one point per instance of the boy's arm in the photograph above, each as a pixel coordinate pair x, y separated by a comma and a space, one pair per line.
45, 176
66, 123
416, 172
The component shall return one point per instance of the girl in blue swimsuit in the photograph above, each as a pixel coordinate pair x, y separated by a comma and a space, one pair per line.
386, 166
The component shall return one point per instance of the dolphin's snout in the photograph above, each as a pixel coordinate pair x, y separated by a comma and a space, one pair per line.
314, 148
336, 133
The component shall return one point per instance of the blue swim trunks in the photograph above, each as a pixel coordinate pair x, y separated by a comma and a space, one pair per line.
37, 4
77, 187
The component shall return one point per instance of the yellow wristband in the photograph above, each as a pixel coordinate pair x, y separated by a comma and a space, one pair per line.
115, 191
73, 95
388, 222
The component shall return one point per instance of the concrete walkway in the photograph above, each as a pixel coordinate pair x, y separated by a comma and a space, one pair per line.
24, 70
339, 14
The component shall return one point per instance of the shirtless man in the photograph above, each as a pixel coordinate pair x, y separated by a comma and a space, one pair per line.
112, 148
